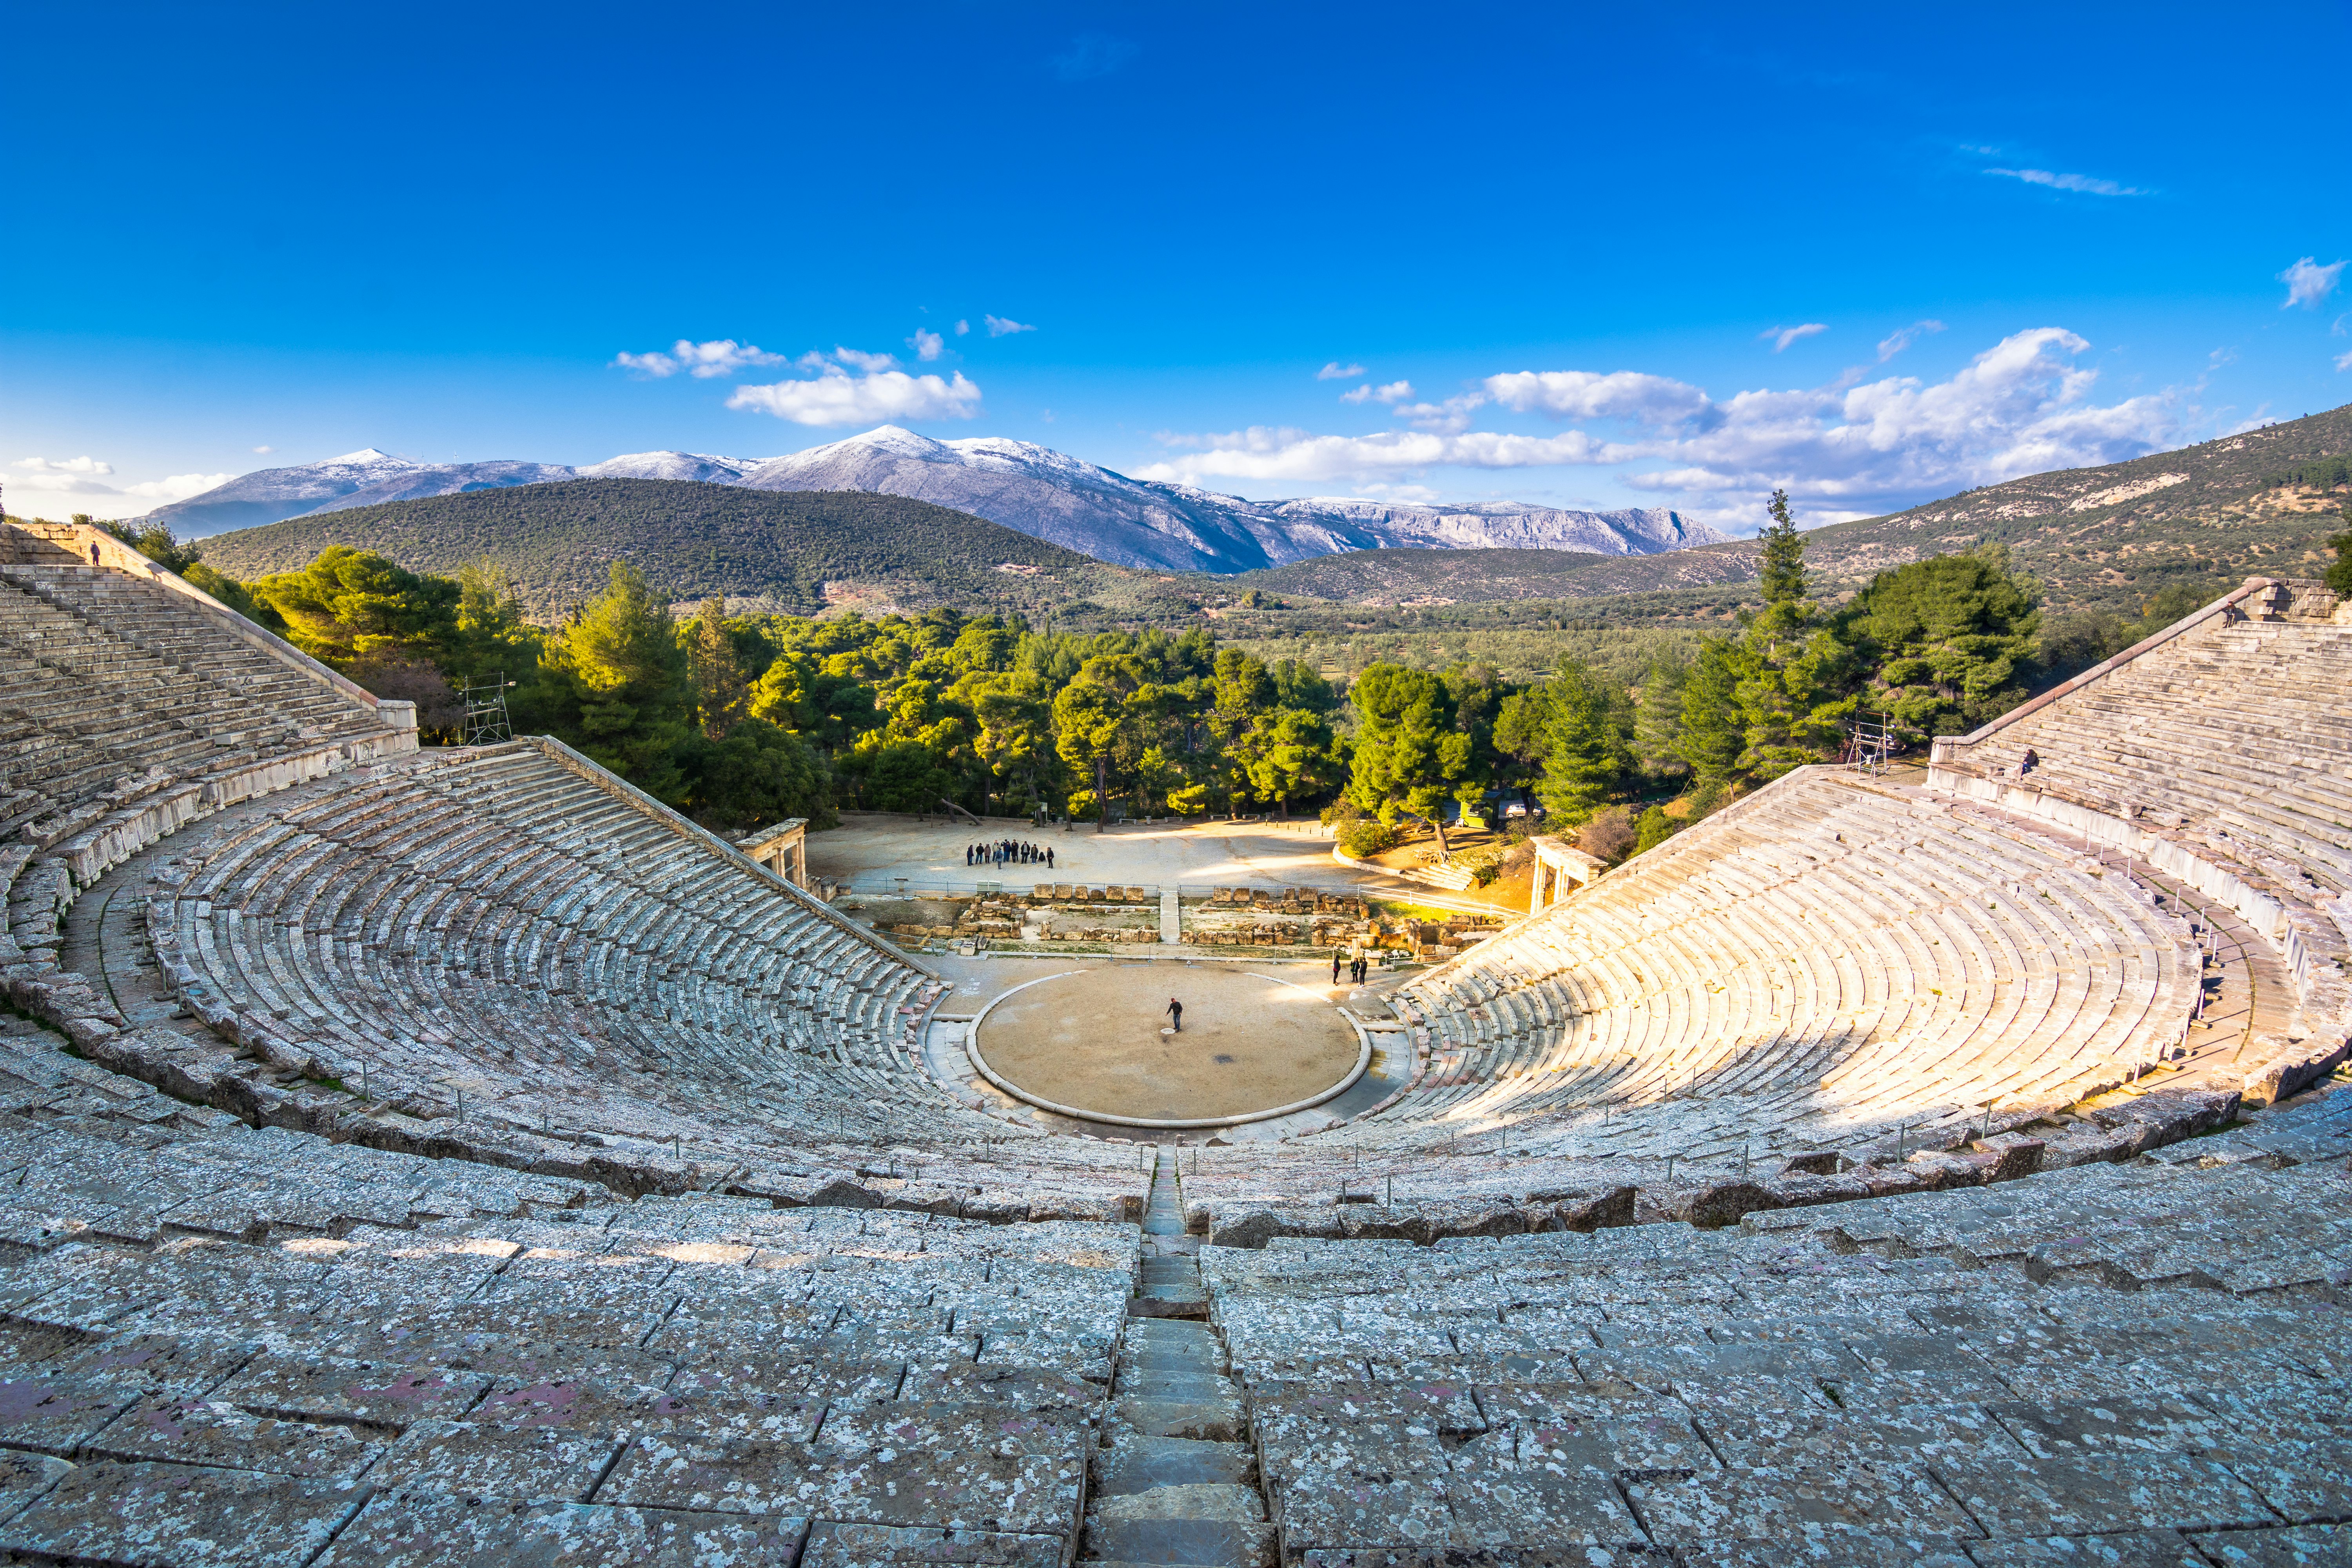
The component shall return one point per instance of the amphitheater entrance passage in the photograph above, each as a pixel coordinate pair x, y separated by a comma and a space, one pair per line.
1559, 872
782, 849
1097, 1045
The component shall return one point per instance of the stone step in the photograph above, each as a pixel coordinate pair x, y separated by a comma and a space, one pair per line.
1140, 1464
1162, 1302
1206, 1541
1170, 1383
1206, 1358
1218, 1420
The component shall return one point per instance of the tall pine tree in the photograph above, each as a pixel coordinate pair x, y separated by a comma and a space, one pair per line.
1782, 572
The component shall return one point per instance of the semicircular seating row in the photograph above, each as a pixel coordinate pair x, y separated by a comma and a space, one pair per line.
110, 686
2237, 729
488, 936
2224, 754
1817, 966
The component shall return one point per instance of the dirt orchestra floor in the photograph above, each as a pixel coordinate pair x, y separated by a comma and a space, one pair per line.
1093, 1039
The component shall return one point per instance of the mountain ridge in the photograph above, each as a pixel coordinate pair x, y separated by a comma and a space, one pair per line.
1144, 524
2107, 536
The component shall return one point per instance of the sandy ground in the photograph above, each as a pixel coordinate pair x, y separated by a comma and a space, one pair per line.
1095, 1038
1211, 855
1195, 857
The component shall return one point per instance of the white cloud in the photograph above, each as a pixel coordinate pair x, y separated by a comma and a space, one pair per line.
1781, 337
264, 451
2344, 362
2021, 406
998, 326
926, 344
1417, 494
177, 486
2085, 183
80, 484
963, 327
879, 393
1266, 452
58, 473
1394, 392
1896, 341
1588, 394
1448, 417
2308, 284
720, 356
1335, 371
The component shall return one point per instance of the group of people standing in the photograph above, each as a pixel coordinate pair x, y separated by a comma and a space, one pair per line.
1008, 852
1359, 968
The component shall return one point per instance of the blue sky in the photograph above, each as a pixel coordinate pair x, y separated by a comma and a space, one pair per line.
1553, 254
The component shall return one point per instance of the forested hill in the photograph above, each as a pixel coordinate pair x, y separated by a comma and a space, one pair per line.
795, 553
2265, 501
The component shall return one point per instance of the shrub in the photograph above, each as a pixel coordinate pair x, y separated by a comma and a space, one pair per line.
1367, 837
1654, 828
1610, 835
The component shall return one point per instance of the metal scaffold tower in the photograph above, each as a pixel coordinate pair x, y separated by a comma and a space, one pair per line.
1869, 742
485, 711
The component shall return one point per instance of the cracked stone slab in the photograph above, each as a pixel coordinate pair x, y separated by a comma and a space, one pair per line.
1000, 1487
382, 1394
1433, 1406
58, 1416
426, 1530
2098, 1493
215, 1432
833, 1545
188, 1516
525, 1464
2307, 1546
25, 1477
1781, 1504
2132, 1549
1811, 1434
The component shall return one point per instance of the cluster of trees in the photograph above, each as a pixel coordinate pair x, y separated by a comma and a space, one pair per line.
750, 717
1938, 646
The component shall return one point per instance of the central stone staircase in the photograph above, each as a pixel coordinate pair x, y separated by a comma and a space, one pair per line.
1177, 1479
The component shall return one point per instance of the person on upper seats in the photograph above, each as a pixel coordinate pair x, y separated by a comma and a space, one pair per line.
2028, 762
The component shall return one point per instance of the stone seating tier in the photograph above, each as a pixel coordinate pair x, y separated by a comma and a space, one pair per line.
492, 945
1953, 1382
2219, 755
263, 1339
89, 708
1821, 966
326, 1354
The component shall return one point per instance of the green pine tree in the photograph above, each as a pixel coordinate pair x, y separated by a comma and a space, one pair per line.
1782, 572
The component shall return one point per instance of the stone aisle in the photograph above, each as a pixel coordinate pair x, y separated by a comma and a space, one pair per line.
1176, 1480
1171, 921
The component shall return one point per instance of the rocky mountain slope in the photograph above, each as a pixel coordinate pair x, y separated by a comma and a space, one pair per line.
2261, 501
1148, 524
795, 553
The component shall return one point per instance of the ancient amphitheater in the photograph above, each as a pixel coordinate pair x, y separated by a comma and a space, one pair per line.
454, 1157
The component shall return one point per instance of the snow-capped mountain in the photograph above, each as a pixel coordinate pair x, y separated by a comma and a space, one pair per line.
269, 494
366, 477
1134, 522
1049, 495
448, 479
704, 466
